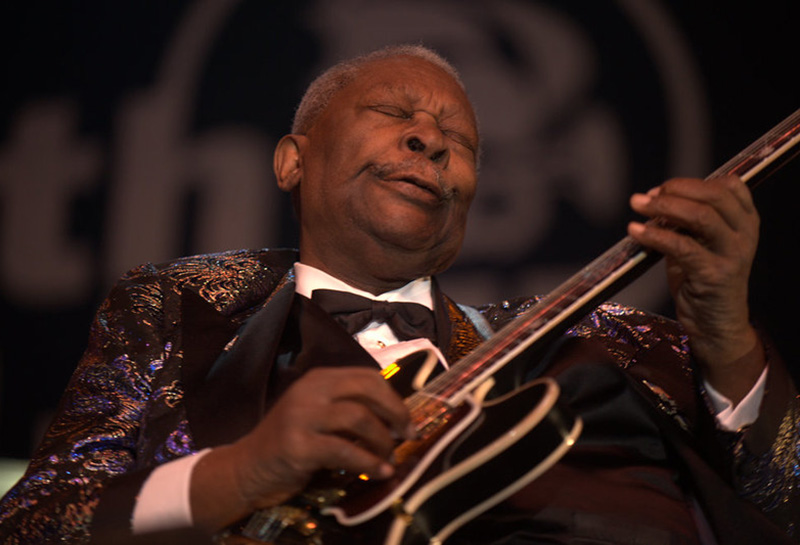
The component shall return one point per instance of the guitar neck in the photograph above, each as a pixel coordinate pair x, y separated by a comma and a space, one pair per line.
603, 277
765, 155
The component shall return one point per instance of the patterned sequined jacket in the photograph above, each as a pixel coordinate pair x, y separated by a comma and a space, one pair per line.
140, 395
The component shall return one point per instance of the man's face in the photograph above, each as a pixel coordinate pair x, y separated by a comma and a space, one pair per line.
388, 173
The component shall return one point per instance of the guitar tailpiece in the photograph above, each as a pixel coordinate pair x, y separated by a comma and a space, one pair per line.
268, 525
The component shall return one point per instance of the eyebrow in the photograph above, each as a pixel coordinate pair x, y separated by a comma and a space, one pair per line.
408, 92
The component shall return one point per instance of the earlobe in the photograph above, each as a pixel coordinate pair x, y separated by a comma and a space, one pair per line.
288, 161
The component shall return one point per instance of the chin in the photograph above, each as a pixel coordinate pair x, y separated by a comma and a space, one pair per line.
435, 259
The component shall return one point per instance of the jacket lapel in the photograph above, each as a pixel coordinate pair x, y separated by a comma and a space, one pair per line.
312, 339
204, 331
456, 336
225, 371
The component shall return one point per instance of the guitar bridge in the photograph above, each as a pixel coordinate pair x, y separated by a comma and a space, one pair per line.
295, 524
320, 497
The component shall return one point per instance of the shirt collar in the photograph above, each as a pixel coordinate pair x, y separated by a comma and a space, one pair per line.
308, 279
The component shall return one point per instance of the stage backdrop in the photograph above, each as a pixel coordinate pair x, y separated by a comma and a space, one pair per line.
142, 131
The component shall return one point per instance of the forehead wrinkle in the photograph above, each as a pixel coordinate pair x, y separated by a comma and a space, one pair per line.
394, 90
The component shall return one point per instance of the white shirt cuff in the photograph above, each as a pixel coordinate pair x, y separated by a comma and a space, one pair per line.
163, 502
732, 418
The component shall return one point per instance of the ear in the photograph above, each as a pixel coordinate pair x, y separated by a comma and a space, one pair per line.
288, 161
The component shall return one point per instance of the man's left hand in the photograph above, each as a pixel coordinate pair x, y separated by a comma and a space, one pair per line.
708, 261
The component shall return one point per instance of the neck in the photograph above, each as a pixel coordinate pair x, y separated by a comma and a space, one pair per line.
359, 280
374, 268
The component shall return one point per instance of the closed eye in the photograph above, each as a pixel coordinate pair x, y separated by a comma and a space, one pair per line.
460, 139
397, 112
392, 111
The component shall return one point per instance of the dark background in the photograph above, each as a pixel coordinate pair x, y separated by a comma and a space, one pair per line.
96, 55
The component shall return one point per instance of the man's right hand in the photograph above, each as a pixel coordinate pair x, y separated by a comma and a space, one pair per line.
346, 418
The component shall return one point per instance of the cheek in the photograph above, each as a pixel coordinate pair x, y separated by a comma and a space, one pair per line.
467, 187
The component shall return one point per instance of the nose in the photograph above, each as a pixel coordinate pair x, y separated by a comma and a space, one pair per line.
426, 138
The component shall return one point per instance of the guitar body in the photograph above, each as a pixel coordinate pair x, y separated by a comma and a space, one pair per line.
513, 440
479, 455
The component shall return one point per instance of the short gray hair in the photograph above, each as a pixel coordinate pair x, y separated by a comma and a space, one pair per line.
334, 79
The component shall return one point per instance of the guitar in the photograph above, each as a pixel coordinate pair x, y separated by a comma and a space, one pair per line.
470, 453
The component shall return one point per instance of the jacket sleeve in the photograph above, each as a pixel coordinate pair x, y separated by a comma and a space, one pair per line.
93, 438
765, 456
763, 460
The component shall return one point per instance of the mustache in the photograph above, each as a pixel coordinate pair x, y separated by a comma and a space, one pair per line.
418, 171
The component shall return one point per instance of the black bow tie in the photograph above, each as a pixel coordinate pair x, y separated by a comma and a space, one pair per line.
353, 312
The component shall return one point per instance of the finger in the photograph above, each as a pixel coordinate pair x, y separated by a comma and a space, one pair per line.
391, 409
367, 387
737, 188
354, 421
336, 453
293, 444
678, 202
686, 251
702, 221
728, 196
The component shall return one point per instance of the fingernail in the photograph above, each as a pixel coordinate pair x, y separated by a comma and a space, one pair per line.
654, 191
385, 471
636, 228
639, 199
